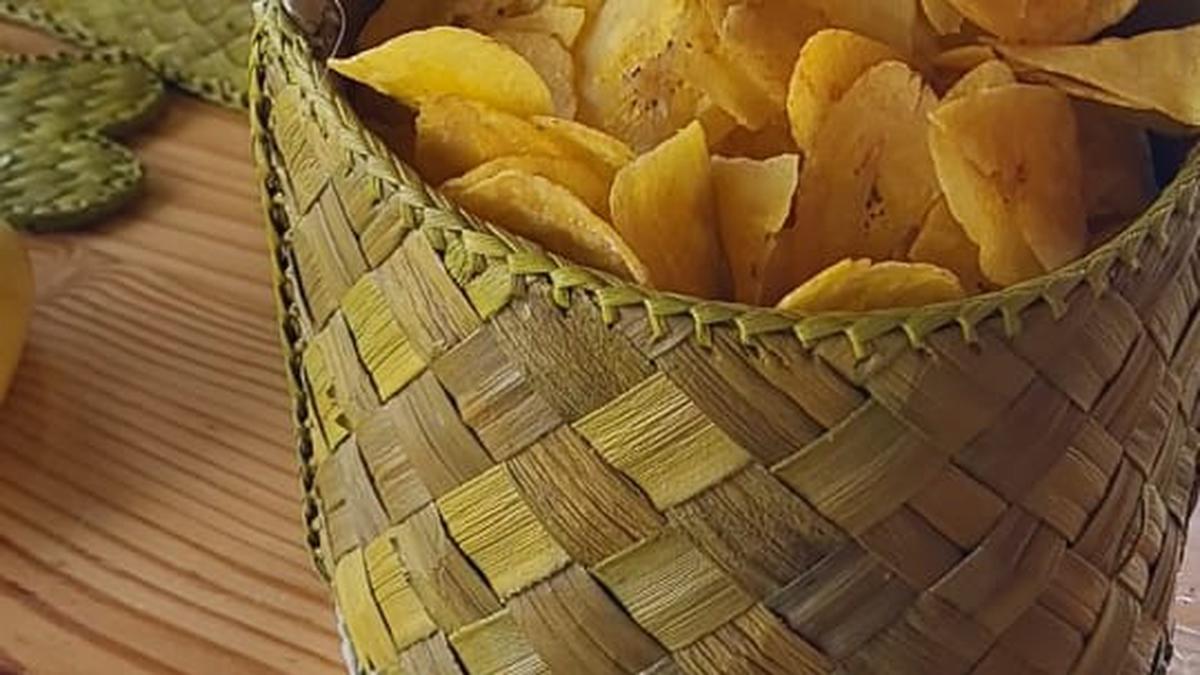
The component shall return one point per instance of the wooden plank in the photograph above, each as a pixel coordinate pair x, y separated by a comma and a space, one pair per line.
149, 506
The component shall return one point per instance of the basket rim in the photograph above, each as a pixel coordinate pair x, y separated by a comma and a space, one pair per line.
524, 258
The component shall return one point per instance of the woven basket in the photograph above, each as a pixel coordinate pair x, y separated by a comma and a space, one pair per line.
513, 464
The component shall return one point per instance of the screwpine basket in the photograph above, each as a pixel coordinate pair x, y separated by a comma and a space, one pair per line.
512, 464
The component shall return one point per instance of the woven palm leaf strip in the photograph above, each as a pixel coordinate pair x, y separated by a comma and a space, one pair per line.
200, 45
59, 168
515, 465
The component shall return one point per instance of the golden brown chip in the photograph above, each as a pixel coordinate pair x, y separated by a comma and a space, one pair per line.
762, 40
868, 183
455, 135
1118, 170
1156, 71
829, 64
662, 204
942, 15
964, 58
561, 22
897, 23
754, 200
630, 70
1008, 161
943, 242
551, 60
422, 65
549, 214
572, 174
771, 141
1044, 21
605, 154
987, 75
860, 286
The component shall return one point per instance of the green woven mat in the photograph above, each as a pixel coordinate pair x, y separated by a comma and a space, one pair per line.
201, 45
58, 167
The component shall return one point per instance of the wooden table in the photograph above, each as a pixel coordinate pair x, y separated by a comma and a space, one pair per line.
149, 504
149, 500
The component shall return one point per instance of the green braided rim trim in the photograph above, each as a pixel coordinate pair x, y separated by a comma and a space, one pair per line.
224, 92
60, 181
134, 115
121, 184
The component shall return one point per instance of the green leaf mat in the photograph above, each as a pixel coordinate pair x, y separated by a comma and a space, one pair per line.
200, 45
58, 167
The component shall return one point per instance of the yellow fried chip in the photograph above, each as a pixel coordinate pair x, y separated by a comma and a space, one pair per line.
549, 214
418, 66
662, 204
987, 75
860, 286
562, 18
771, 141
630, 70
572, 174
455, 135
963, 58
1155, 71
762, 40
1008, 161
943, 16
868, 183
605, 154
829, 64
551, 60
725, 83
1118, 170
897, 23
754, 200
561, 22
943, 242
1044, 22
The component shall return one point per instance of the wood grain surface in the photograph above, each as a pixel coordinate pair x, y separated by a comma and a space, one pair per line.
149, 505
149, 499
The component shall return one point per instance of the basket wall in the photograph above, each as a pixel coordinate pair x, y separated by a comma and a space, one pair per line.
513, 465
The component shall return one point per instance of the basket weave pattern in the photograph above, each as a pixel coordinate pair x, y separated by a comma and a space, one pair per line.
515, 465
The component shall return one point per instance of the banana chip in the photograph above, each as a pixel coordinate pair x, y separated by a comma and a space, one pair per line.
572, 174
1044, 21
754, 200
1154, 71
829, 64
455, 135
562, 23
771, 141
897, 23
943, 242
605, 154
422, 65
868, 183
662, 204
630, 70
987, 75
1008, 161
551, 60
943, 16
763, 40
791, 151
860, 286
549, 214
